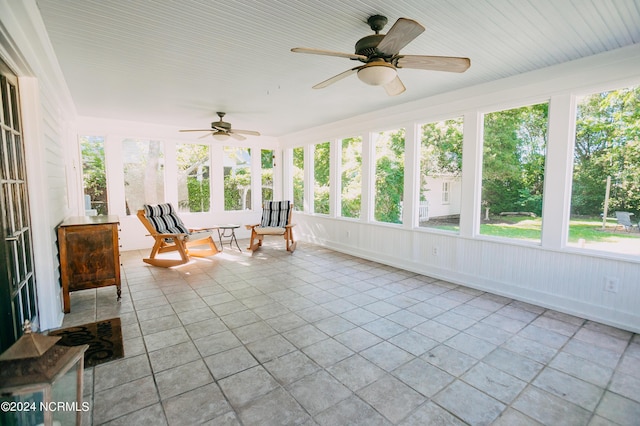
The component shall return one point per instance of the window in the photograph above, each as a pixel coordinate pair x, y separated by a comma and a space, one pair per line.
389, 178
237, 178
351, 177
193, 178
321, 167
143, 162
266, 164
441, 174
445, 192
515, 143
298, 178
606, 160
94, 175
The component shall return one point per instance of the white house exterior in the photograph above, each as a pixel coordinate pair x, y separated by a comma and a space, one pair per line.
442, 196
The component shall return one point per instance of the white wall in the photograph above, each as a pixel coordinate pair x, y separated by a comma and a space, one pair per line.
48, 116
548, 273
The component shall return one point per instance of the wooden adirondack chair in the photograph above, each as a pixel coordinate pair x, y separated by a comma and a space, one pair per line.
171, 235
276, 220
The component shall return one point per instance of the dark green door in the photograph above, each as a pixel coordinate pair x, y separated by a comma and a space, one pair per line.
18, 299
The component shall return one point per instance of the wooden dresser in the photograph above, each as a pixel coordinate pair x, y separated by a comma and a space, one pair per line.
89, 254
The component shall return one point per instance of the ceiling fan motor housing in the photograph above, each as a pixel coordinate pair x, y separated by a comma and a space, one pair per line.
367, 46
221, 125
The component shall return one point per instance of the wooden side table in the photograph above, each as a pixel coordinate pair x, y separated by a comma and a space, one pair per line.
89, 254
228, 231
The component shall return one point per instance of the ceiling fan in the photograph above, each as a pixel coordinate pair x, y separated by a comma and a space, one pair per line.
381, 56
222, 131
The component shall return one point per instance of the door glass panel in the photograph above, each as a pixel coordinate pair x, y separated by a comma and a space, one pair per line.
18, 299
237, 178
15, 198
298, 178
194, 181
32, 300
11, 174
12, 272
4, 169
94, 175
5, 102
14, 108
266, 164
143, 173
16, 308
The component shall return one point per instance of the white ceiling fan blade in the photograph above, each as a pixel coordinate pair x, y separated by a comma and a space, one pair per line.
195, 130
394, 87
335, 78
237, 136
434, 63
328, 53
401, 34
245, 132
204, 136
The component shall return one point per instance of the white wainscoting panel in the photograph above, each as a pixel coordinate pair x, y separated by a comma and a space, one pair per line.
569, 282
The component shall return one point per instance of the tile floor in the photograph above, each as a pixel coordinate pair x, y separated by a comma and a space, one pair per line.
320, 337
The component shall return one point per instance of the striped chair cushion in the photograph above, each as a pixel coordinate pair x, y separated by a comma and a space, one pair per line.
275, 214
164, 218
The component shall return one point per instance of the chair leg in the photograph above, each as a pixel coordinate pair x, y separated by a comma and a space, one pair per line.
291, 244
156, 249
254, 246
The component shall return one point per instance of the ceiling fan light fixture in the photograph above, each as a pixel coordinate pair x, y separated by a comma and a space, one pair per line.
377, 74
221, 136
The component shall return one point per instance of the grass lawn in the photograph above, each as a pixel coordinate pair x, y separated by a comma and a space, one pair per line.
527, 228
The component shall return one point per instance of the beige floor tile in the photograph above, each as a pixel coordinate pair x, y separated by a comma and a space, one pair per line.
129, 397
326, 338
391, 398
318, 391
183, 378
230, 362
247, 385
197, 406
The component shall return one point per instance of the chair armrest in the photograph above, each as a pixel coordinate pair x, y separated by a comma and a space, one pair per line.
291, 225
251, 226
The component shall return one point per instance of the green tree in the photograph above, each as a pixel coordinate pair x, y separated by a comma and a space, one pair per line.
607, 144
389, 176
237, 179
298, 178
321, 174
266, 163
513, 161
193, 175
94, 172
441, 151
351, 179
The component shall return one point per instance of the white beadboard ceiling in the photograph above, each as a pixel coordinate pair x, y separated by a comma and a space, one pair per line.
178, 62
